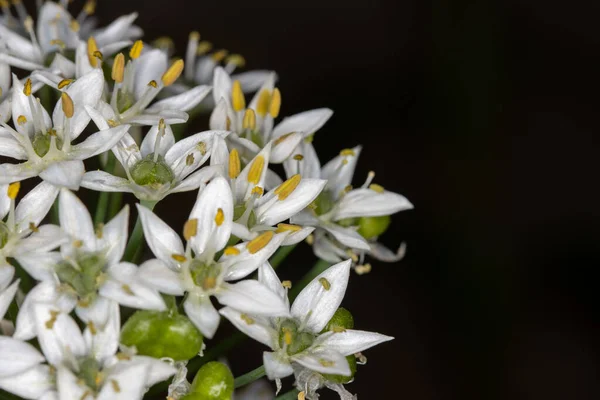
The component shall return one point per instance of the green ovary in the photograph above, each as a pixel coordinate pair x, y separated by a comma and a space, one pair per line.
148, 172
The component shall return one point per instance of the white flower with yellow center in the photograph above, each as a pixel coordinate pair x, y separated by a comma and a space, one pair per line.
254, 212
338, 210
46, 145
253, 125
159, 166
76, 365
299, 342
87, 274
194, 271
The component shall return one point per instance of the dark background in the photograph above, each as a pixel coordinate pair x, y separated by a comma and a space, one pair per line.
484, 115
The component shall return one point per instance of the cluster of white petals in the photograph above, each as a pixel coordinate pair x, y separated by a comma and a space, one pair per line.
97, 108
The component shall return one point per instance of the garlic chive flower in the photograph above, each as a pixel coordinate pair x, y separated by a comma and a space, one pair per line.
198, 271
253, 124
46, 145
298, 342
337, 212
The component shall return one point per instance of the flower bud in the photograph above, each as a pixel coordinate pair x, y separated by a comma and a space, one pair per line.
341, 378
371, 227
214, 381
162, 334
341, 320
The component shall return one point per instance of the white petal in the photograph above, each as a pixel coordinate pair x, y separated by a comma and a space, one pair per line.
64, 174
158, 370
149, 67
251, 81
19, 62
202, 314
200, 148
104, 182
198, 179
284, 147
351, 341
324, 361
220, 154
221, 86
245, 263
100, 114
308, 167
319, 300
17, 356
214, 197
114, 237
130, 382
30, 384
53, 22
297, 236
253, 297
171, 117
98, 142
57, 333
382, 253
250, 326
166, 141
63, 65
98, 311
4, 201
275, 367
242, 187
17, 44
346, 236
10, 147
272, 180
182, 102
156, 274
7, 272
219, 115
162, 240
21, 106
103, 341
35, 205
6, 297
369, 203
307, 122
75, 219
268, 85
116, 30
112, 48
340, 170
17, 172
268, 277
68, 385
124, 287
39, 265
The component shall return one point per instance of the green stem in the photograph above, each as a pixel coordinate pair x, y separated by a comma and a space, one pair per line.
291, 395
135, 240
280, 255
102, 205
54, 217
114, 206
319, 267
249, 377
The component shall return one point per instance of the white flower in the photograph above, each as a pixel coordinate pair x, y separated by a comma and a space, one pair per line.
253, 126
254, 212
335, 210
45, 144
195, 271
160, 166
76, 365
87, 273
7, 290
297, 342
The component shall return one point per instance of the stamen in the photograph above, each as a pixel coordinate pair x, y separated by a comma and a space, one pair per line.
282, 138
298, 157
287, 187
74, 25
178, 257
190, 55
64, 82
190, 229
90, 7
287, 228
127, 289
92, 327
115, 386
67, 105
27, 88
363, 269
118, 69
247, 319
234, 164
325, 283
77, 244
21, 120
92, 48
264, 101
302, 395
203, 47
338, 329
209, 282
173, 73
256, 169
369, 179
218, 56
231, 251
275, 103
33, 228
347, 152
257, 190
100, 230
136, 49
259, 242
237, 96
287, 284
13, 190
98, 54
53, 317
236, 59
376, 188
310, 239
249, 120
201, 146
59, 43
287, 337
153, 84
220, 217
189, 160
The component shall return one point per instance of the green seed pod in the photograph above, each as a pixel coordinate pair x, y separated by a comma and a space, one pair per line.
371, 227
162, 334
214, 381
324, 202
341, 378
149, 172
341, 320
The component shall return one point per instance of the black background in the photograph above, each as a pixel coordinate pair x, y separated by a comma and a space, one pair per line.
484, 115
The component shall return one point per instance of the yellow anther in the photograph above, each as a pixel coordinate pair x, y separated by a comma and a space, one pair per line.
13, 190
90, 7
256, 169
326, 363
204, 47
310, 239
118, 68
21, 120
99, 230
77, 244
363, 269
347, 152
234, 164
275, 105
111, 122
257, 190
92, 327
98, 54
228, 124
264, 102
287, 228
231, 251
287, 284
136, 49
249, 120
325, 283
53, 317
237, 96
236, 59
376, 188
247, 319
33, 228
347, 188
209, 282
259, 242
74, 25
92, 48
287, 337
195, 36
190, 228
282, 138
27, 88
219, 217
59, 43
309, 138
67, 105
4, 3
189, 160
298, 157
123, 356
172, 73
164, 42
302, 396
344, 161
64, 82
162, 126
338, 329
127, 289
352, 255
178, 257
201, 146
286, 188
218, 56
115, 386
153, 84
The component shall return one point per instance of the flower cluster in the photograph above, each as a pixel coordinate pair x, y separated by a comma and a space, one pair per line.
100, 109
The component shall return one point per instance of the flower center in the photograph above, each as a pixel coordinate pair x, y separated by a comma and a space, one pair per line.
84, 280
89, 373
292, 339
148, 172
238, 212
205, 275
323, 203
124, 101
41, 143
4, 234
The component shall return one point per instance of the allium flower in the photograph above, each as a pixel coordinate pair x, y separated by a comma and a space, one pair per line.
20, 236
253, 126
46, 144
298, 342
195, 271
87, 273
76, 365
336, 211
160, 166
